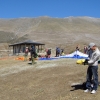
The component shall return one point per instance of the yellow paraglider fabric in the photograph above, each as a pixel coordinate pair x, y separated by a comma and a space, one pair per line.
80, 61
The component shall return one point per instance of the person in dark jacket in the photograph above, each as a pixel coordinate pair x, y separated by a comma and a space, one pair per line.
48, 53
58, 52
33, 54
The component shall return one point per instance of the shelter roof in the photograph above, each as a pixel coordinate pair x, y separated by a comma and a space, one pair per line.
27, 42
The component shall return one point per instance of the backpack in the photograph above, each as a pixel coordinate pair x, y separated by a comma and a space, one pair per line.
33, 51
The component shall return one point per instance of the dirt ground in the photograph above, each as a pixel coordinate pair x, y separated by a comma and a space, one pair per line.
46, 80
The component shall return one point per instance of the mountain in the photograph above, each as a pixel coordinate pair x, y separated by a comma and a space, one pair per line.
62, 32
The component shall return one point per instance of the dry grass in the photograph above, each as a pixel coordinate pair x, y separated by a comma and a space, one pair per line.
46, 80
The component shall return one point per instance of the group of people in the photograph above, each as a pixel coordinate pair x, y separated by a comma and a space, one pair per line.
85, 49
92, 61
59, 52
34, 54
92, 71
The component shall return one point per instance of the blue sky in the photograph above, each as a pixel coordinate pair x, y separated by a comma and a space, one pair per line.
52, 8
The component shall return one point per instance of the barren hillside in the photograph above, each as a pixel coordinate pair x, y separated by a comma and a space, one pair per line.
65, 32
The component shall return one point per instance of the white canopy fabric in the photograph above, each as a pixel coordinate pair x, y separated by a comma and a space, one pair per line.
75, 54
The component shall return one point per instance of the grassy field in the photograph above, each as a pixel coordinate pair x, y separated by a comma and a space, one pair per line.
46, 80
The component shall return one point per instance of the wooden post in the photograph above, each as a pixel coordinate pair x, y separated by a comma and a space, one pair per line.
13, 50
41, 48
38, 48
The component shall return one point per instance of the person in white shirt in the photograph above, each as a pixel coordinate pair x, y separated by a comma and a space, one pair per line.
92, 71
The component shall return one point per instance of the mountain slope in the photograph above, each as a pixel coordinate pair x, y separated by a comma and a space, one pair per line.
53, 31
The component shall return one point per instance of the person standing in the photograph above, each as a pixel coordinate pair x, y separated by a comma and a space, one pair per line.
92, 71
85, 49
62, 52
33, 54
58, 51
48, 53
26, 53
77, 48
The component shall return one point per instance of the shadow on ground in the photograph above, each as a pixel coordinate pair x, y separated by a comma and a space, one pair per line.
78, 87
32, 64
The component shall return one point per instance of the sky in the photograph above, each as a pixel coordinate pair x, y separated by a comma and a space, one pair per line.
51, 8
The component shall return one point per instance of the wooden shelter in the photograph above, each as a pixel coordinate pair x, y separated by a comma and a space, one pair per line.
20, 46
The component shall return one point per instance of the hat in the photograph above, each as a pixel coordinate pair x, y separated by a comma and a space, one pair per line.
91, 45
